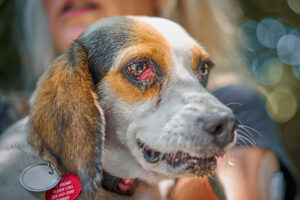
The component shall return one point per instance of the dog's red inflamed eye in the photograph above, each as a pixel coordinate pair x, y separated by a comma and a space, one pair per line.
140, 71
148, 74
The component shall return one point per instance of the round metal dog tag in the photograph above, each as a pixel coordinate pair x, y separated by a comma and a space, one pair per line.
38, 178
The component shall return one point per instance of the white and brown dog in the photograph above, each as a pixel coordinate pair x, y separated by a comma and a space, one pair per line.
127, 97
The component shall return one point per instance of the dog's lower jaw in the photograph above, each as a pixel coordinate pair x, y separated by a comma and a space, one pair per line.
177, 164
121, 163
128, 161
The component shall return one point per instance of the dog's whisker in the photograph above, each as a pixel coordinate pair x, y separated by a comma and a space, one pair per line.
249, 134
250, 140
256, 131
245, 140
252, 145
243, 143
234, 103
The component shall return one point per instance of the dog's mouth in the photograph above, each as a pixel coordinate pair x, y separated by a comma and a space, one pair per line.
179, 160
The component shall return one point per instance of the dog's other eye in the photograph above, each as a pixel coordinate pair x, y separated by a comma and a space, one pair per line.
203, 70
141, 71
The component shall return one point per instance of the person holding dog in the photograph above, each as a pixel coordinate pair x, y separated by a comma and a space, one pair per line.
246, 172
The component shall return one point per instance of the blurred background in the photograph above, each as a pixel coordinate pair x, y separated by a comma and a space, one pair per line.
271, 51
272, 55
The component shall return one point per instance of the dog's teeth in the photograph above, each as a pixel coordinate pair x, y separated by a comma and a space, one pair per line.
180, 160
152, 155
161, 156
192, 161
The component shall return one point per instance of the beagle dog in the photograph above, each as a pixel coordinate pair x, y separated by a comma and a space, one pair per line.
127, 101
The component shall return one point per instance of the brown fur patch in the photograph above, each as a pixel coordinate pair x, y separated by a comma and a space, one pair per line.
148, 43
66, 122
127, 91
197, 54
148, 36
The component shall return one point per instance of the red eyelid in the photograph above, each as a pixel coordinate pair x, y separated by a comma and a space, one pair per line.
148, 74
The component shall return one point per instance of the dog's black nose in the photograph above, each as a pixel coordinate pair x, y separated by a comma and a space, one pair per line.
221, 127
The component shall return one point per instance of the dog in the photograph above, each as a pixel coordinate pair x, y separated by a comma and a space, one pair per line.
127, 101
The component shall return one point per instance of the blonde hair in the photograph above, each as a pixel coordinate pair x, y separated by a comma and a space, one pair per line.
210, 21
214, 24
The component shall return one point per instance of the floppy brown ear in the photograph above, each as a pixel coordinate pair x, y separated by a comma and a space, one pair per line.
66, 121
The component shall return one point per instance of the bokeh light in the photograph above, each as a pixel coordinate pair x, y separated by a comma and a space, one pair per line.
270, 72
294, 5
251, 42
269, 31
296, 71
282, 104
288, 49
271, 52
267, 69
258, 62
294, 31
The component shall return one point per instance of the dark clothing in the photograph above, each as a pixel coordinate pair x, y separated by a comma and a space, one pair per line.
13, 106
250, 110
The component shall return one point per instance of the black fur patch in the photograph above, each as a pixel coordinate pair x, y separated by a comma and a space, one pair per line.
103, 45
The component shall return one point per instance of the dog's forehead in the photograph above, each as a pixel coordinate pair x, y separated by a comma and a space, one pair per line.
176, 36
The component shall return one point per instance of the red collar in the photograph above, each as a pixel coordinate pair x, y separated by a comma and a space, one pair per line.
119, 185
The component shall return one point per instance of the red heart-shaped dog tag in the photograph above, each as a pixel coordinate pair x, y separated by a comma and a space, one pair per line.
68, 189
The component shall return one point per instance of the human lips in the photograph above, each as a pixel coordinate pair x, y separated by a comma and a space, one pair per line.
73, 8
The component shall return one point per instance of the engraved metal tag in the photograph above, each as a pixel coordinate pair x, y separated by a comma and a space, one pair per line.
38, 178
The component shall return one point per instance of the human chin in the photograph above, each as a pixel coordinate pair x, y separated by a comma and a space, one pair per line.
68, 35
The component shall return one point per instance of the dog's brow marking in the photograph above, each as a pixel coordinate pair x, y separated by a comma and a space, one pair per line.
141, 51
106, 37
147, 43
197, 54
150, 38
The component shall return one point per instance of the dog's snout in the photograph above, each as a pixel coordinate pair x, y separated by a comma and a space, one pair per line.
221, 127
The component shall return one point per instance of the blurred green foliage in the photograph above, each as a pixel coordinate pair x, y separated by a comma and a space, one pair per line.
10, 67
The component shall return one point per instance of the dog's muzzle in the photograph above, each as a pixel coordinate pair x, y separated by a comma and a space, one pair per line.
204, 137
